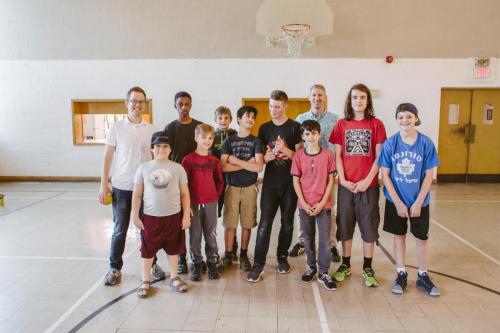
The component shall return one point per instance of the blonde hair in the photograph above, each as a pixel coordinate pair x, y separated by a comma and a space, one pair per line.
318, 86
223, 110
204, 129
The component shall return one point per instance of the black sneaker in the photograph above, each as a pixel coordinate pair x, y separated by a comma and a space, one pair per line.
424, 282
309, 275
297, 250
182, 267
255, 275
213, 273
283, 265
196, 273
327, 281
399, 285
245, 264
335, 254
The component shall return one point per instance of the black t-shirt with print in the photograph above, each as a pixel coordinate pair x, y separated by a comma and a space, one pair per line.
278, 170
182, 138
243, 149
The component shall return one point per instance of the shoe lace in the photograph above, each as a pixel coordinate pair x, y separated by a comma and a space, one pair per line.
427, 280
325, 277
369, 272
343, 268
400, 279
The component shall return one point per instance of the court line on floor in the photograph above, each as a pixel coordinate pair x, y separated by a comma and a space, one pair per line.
320, 308
468, 201
52, 258
393, 261
472, 246
75, 305
31, 204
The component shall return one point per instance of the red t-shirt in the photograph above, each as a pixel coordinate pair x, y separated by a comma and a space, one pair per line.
313, 171
204, 175
358, 139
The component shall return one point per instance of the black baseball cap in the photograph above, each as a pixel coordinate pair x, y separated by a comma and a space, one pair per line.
160, 138
410, 108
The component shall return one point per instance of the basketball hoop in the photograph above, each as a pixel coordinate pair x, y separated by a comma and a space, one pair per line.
295, 35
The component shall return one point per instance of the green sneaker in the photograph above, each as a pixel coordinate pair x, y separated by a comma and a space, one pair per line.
341, 273
369, 276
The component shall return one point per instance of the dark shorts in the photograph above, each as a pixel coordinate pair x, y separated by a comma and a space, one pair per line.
419, 226
359, 207
164, 232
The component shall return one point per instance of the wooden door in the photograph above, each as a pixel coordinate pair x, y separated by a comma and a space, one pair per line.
453, 148
296, 106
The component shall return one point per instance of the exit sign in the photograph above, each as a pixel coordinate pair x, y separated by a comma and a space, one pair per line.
481, 72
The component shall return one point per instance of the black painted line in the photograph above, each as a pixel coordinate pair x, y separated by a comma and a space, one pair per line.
31, 204
94, 314
391, 258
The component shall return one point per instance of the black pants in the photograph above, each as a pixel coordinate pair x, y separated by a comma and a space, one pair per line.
275, 196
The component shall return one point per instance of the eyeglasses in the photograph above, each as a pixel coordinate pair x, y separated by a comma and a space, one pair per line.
133, 101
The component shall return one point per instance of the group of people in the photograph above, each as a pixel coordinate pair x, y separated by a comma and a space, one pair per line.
199, 173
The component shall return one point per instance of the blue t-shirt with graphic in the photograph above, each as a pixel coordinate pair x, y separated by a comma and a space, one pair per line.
408, 164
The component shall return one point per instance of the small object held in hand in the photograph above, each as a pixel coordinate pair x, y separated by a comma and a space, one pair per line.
1, 200
108, 199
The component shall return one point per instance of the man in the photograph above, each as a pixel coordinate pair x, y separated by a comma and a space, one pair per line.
327, 120
181, 132
281, 137
127, 143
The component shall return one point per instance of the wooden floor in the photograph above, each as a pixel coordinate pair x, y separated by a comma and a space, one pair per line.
54, 244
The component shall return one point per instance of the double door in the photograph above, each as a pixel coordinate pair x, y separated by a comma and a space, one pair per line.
469, 135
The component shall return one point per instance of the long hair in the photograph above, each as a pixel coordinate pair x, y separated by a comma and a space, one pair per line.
349, 111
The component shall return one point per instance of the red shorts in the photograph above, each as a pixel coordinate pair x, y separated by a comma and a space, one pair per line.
164, 232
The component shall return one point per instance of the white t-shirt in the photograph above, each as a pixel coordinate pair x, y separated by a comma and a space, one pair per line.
161, 181
132, 144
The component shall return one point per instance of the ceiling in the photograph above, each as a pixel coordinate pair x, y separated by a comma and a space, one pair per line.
163, 29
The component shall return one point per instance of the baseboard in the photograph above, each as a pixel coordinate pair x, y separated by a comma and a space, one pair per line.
49, 179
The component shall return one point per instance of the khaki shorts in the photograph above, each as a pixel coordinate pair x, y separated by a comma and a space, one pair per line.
242, 202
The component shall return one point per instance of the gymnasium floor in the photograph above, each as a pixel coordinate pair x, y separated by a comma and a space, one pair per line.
54, 241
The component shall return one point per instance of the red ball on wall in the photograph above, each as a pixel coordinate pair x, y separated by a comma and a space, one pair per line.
389, 59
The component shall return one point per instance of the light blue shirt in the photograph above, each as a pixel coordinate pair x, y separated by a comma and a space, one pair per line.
327, 120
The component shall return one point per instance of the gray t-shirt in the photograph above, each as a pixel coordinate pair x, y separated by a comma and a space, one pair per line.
161, 181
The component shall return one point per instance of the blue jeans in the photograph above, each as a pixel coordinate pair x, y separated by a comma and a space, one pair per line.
122, 206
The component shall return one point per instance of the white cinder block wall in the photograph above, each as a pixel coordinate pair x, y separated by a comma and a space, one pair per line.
35, 112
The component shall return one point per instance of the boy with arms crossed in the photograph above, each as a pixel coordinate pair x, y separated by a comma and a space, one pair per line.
407, 160
162, 184
242, 160
313, 171
358, 139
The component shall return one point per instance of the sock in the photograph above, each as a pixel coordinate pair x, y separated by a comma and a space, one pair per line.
228, 254
420, 272
243, 253
346, 261
401, 269
367, 263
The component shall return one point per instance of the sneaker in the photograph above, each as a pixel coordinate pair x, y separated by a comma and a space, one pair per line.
245, 264
327, 281
335, 254
182, 267
213, 273
196, 272
112, 277
399, 285
255, 275
225, 264
424, 282
341, 273
283, 265
157, 273
297, 250
369, 276
309, 275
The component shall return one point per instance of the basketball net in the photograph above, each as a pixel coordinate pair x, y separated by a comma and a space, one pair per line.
295, 35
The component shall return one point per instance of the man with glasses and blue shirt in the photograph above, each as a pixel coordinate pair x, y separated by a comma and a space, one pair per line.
327, 120
128, 146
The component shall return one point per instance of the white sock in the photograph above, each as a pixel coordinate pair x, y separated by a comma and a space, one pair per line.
420, 272
401, 269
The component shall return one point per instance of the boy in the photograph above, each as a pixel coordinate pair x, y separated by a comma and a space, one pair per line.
282, 138
358, 139
313, 171
223, 119
242, 160
407, 160
205, 185
162, 184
